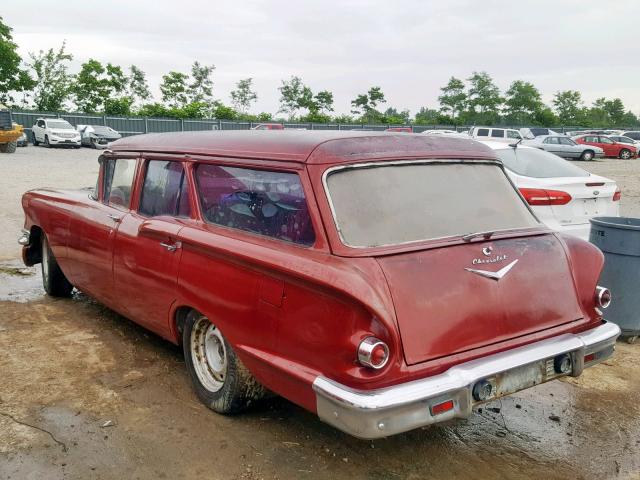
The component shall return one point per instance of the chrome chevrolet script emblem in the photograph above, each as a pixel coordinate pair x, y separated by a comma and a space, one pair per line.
487, 251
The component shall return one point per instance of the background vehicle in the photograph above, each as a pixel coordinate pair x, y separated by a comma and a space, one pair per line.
565, 147
97, 136
23, 141
626, 140
10, 132
55, 131
269, 126
507, 135
561, 194
534, 132
634, 134
399, 129
611, 148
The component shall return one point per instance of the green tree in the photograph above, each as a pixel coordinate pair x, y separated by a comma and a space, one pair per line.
615, 111
453, 99
97, 85
290, 95
365, 105
568, 105
523, 102
484, 98
137, 86
201, 87
243, 95
393, 116
324, 101
427, 116
13, 77
52, 80
223, 112
174, 89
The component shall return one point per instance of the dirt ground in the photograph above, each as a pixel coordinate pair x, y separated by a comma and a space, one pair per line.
87, 394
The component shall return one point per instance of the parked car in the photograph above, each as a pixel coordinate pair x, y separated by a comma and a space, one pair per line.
23, 141
399, 129
610, 147
565, 147
507, 135
632, 134
626, 140
534, 132
97, 136
561, 194
441, 132
269, 126
345, 271
53, 132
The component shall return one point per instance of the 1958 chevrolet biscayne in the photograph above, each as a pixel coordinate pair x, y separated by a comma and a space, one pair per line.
383, 281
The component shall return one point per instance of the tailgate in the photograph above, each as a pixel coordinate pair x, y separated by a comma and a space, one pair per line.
449, 300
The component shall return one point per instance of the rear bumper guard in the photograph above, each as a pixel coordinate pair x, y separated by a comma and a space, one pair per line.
396, 409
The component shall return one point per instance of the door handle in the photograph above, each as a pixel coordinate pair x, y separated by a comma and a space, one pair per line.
115, 218
171, 247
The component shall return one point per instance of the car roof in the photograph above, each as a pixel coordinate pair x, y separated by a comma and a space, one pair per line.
304, 146
500, 145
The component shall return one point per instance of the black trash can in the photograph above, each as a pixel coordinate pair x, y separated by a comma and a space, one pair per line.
619, 240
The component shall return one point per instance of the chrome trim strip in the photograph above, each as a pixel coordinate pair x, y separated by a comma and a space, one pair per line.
396, 409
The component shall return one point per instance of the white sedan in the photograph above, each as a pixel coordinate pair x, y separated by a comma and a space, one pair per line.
562, 195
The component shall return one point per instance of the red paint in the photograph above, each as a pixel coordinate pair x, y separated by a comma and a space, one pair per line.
610, 149
293, 312
442, 407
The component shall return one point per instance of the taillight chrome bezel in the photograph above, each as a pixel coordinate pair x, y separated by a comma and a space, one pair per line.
603, 297
365, 352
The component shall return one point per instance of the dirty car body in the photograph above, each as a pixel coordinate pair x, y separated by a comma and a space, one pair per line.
341, 268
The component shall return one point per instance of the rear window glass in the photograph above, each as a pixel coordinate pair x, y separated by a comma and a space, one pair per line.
263, 202
165, 190
395, 204
531, 162
483, 132
497, 133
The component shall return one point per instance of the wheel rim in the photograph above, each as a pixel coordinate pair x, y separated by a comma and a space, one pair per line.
45, 262
587, 156
625, 154
208, 354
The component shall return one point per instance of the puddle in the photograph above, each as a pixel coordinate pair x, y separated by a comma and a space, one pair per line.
19, 283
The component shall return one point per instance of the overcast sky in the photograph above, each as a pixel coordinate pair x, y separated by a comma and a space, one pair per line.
409, 48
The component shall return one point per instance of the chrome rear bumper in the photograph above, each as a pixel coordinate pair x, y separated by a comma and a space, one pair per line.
396, 409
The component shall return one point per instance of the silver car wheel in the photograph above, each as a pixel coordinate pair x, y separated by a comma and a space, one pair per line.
625, 154
209, 354
587, 156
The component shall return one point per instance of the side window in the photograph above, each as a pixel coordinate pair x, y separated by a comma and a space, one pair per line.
565, 141
606, 140
554, 140
497, 133
263, 202
165, 190
483, 132
118, 179
513, 134
591, 139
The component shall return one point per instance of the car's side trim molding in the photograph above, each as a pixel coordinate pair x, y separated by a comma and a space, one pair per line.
387, 411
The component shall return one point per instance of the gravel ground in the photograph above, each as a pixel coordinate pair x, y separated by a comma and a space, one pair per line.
86, 394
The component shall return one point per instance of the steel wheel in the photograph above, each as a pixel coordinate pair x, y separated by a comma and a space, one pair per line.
209, 354
587, 156
625, 154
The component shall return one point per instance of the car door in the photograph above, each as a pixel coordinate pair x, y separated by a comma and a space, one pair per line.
147, 250
569, 148
93, 229
552, 145
609, 146
38, 128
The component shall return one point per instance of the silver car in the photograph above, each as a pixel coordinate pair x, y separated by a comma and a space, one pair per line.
565, 147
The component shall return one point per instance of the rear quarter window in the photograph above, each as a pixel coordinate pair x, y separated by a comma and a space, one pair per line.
531, 162
267, 203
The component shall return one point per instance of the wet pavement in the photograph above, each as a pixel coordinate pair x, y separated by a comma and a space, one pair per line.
87, 394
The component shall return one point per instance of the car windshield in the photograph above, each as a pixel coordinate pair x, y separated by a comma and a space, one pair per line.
59, 124
379, 205
531, 162
101, 130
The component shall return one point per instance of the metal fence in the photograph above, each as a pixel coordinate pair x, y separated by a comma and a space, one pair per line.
137, 125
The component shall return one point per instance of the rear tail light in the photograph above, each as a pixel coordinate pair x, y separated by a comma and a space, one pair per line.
617, 195
373, 353
603, 297
442, 407
538, 196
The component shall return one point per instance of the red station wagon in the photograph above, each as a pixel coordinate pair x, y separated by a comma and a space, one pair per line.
384, 282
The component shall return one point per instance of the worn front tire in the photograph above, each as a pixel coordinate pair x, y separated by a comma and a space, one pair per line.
53, 280
218, 376
9, 147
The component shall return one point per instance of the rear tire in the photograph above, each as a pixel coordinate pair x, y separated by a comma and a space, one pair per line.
46, 141
625, 154
9, 147
218, 376
587, 155
53, 280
